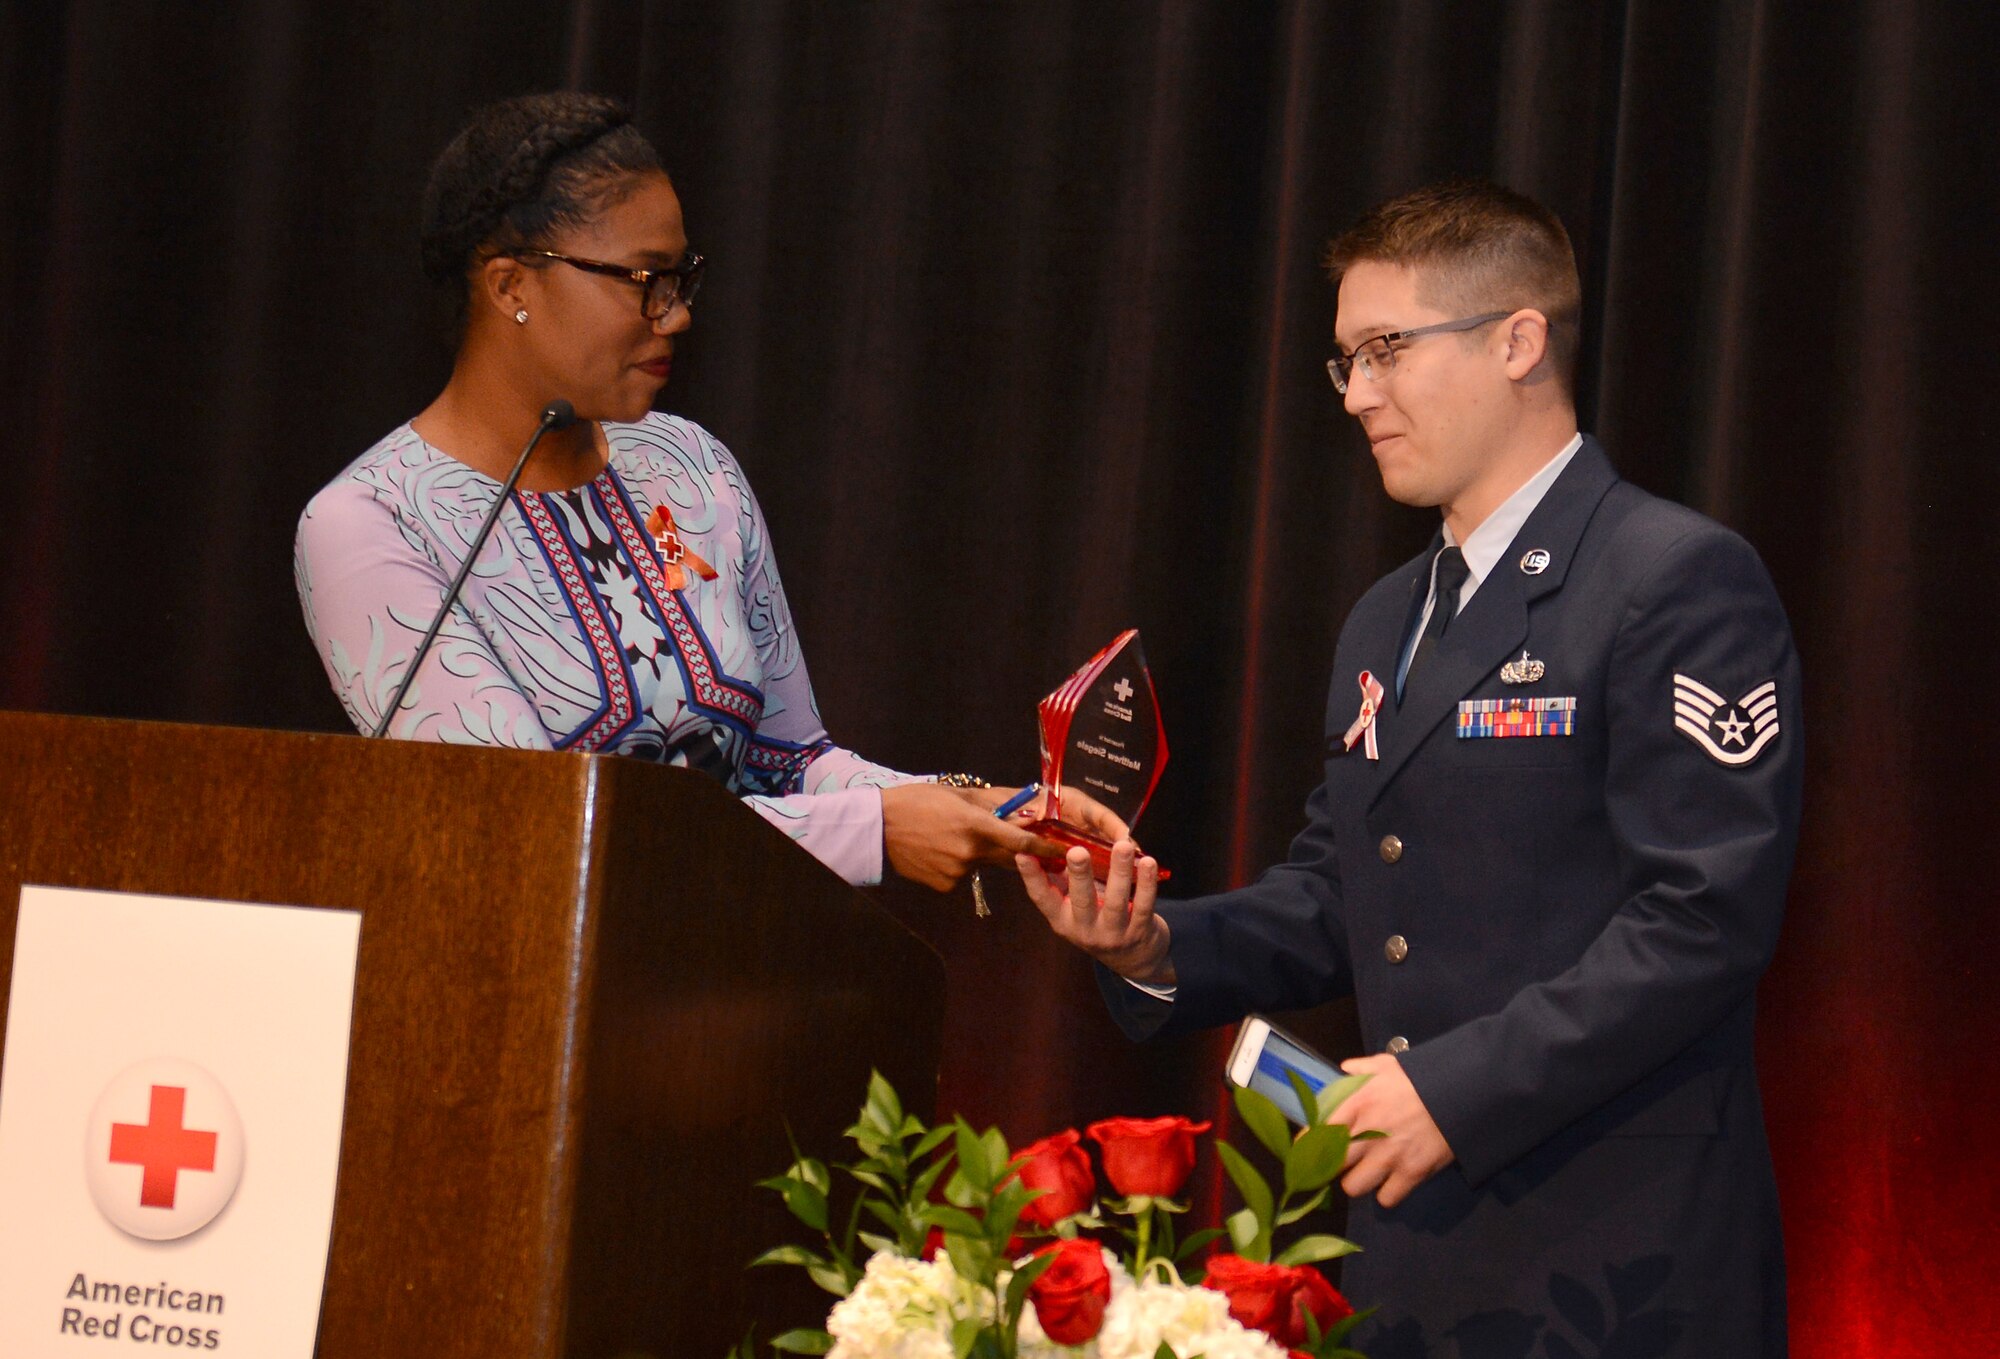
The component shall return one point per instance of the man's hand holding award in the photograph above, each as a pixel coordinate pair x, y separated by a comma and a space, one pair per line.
1103, 748
1102, 752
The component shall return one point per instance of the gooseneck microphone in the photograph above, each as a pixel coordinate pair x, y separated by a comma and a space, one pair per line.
558, 414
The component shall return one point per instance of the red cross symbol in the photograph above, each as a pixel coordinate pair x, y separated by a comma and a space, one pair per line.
162, 1146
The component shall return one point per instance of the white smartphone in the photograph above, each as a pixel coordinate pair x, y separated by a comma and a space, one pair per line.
1264, 1053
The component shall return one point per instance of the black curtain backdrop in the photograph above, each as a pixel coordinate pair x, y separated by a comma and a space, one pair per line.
1015, 318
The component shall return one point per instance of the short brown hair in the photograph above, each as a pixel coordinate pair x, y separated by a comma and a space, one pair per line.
1479, 247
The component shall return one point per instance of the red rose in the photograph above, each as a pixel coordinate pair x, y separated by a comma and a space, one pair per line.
1147, 1155
1275, 1299
1071, 1294
1059, 1164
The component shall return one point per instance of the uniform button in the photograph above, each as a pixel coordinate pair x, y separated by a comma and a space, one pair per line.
1392, 849
1396, 949
1399, 1044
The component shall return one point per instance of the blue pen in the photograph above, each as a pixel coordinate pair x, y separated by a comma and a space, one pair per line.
1017, 802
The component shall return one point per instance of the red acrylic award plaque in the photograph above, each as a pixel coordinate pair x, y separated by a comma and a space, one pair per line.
1101, 735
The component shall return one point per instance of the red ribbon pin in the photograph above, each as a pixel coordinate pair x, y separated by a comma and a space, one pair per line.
1364, 723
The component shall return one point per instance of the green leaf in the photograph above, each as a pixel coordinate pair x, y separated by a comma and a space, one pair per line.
920, 1188
813, 1173
988, 1345
1310, 1250
931, 1141
1264, 1119
883, 1214
995, 1144
960, 1191
1308, 1101
964, 1335
832, 1278
1197, 1241
883, 1103
808, 1205
1339, 1330
1315, 1158
1024, 1279
951, 1219
971, 1257
1256, 1193
1336, 1094
877, 1242
802, 1342
786, 1255
1293, 1214
972, 1162
1005, 1210
1166, 1351
871, 1179
1243, 1227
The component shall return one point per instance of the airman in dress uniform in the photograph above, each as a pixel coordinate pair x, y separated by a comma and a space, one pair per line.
1549, 854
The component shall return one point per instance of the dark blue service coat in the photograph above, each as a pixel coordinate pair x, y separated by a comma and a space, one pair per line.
1560, 934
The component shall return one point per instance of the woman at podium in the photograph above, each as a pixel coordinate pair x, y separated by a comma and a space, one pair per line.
626, 600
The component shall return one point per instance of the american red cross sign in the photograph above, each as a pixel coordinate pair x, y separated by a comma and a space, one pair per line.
162, 1146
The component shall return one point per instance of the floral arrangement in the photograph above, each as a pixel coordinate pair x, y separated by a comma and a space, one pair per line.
950, 1246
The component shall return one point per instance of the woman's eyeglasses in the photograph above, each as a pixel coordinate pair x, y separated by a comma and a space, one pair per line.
660, 289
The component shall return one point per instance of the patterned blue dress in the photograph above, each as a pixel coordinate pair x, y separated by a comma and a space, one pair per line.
639, 615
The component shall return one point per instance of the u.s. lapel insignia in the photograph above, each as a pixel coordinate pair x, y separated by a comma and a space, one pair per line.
1734, 733
1535, 561
1527, 670
1363, 727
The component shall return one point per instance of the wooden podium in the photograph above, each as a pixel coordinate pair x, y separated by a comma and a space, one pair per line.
592, 995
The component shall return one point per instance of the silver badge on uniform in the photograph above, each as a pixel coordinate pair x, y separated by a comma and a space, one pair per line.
1535, 562
1734, 732
1527, 670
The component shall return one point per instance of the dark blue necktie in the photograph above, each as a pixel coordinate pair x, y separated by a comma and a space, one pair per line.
1452, 573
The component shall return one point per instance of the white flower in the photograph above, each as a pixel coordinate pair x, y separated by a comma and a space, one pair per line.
903, 1309
1192, 1320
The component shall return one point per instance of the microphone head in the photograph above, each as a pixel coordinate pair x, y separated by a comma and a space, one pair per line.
558, 414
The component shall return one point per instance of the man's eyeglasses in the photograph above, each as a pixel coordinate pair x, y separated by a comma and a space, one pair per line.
1376, 358
659, 288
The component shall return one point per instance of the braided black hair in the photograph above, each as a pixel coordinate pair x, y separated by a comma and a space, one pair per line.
521, 171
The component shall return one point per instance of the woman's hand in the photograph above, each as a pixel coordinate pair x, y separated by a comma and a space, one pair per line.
1116, 925
935, 835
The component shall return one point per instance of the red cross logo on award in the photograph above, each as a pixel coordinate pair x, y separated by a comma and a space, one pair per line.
164, 1152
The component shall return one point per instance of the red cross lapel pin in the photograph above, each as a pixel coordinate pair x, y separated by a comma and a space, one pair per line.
676, 560
1363, 727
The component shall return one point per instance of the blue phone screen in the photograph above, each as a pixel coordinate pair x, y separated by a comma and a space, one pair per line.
1280, 1055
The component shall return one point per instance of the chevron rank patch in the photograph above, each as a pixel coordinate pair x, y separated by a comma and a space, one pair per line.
1481, 717
1734, 732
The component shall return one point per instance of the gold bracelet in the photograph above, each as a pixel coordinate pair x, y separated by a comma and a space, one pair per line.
963, 781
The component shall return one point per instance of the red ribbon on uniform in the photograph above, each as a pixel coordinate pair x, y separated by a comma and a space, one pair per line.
1364, 723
